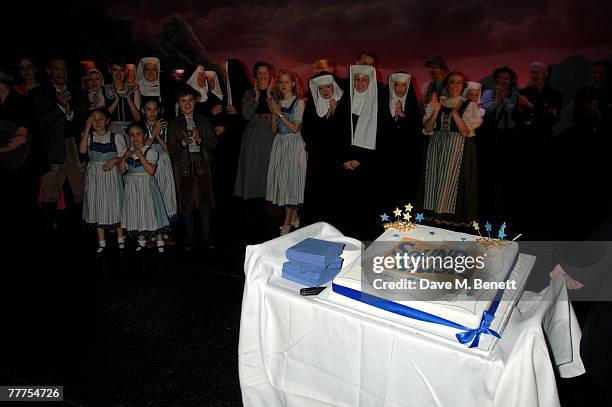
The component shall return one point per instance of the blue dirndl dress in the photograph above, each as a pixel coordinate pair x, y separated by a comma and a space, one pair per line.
144, 212
103, 194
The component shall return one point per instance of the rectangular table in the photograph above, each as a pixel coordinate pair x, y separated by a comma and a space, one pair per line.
297, 351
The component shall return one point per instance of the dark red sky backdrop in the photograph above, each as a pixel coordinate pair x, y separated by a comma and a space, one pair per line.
475, 36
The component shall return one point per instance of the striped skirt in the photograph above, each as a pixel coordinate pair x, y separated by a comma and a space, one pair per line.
287, 170
143, 208
165, 180
103, 197
442, 169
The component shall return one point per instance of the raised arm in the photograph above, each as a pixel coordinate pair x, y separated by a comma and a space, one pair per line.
159, 126
85, 136
431, 114
134, 107
148, 166
123, 163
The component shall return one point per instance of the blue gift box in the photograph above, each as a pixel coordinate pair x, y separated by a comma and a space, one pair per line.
296, 267
315, 251
311, 275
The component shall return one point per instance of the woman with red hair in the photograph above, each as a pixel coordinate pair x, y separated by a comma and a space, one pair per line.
287, 170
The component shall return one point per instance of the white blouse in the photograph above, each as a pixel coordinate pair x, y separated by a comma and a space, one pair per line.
120, 142
472, 116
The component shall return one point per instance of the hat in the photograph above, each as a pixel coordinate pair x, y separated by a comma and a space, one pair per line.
438, 61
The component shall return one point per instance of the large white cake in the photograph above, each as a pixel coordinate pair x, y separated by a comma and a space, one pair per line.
468, 293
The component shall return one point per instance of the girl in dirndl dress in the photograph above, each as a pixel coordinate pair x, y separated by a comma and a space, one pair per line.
103, 197
144, 213
157, 138
287, 169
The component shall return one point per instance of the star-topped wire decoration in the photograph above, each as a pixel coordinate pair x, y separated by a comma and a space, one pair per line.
488, 241
502, 231
419, 218
402, 219
397, 212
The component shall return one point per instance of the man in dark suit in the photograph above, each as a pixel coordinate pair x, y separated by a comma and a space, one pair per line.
538, 109
61, 111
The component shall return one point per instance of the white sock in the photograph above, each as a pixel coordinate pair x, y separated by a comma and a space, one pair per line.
102, 243
120, 239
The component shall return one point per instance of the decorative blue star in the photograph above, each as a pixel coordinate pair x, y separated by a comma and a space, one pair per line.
488, 227
502, 233
433, 232
468, 294
384, 217
419, 217
396, 235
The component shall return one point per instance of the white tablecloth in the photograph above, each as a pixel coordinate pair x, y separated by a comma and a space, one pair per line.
296, 351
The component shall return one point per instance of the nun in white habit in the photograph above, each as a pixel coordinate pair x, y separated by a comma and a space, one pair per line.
198, 81
95, 84
364, 106
147, 79
473, 92
210, 102
325, 94
397, 103
213, 84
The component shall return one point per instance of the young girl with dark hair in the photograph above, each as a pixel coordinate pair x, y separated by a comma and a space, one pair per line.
157, 138
144, 213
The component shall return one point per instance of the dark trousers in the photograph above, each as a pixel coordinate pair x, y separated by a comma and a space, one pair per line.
190, 223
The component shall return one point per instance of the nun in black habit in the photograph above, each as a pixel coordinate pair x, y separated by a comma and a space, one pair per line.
325, 128
399, 143
357, 179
